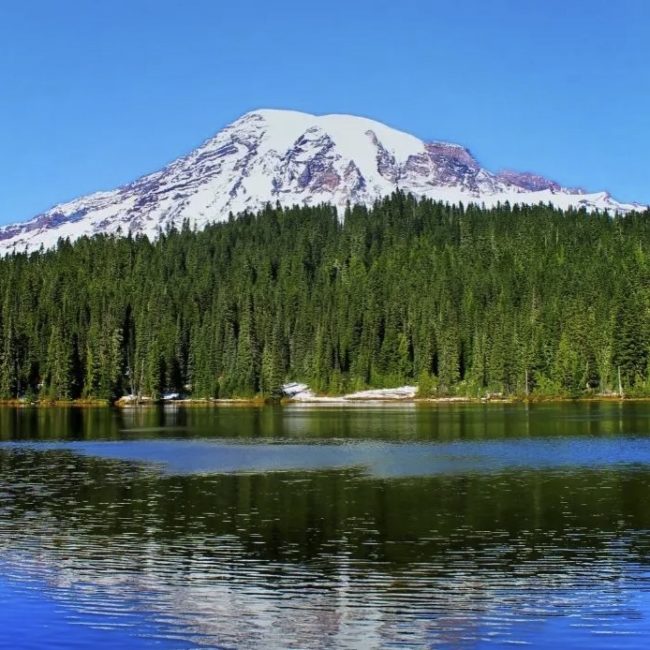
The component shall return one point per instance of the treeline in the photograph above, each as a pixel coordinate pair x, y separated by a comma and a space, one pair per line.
513, 300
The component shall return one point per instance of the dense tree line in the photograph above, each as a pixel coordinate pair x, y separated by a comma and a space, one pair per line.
515, 300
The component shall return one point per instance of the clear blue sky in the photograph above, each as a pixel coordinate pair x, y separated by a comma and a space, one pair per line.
94, 93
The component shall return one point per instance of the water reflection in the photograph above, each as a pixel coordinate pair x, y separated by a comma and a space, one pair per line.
337, 556
376, 459
382, 422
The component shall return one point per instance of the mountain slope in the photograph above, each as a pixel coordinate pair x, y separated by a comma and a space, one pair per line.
294, 158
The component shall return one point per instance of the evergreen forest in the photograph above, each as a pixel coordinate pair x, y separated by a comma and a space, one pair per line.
517, 301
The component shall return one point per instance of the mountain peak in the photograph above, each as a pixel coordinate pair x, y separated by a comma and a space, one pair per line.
292, 157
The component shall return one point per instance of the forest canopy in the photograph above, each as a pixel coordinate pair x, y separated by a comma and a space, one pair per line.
461, 301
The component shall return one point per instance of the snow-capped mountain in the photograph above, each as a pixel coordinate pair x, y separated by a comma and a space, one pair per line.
294, 158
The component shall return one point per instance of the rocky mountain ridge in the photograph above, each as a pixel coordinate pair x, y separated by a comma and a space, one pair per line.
293, 158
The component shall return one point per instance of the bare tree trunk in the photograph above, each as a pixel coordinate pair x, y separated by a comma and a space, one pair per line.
620, 383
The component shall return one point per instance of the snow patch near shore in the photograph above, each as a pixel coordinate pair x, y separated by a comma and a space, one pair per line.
401, 392
302, 393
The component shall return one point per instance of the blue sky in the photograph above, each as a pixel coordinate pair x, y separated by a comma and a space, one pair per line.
94, 94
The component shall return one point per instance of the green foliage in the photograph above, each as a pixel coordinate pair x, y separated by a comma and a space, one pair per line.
427, 384
462, 301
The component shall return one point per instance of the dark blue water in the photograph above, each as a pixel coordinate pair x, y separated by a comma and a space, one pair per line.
452, 527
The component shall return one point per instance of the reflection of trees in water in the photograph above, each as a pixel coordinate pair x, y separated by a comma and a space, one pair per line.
449, 422
301, 515
324, 558
321, 558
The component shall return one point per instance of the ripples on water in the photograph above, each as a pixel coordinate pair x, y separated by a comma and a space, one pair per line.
258, 528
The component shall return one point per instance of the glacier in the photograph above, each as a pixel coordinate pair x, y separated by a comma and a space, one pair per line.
293, 158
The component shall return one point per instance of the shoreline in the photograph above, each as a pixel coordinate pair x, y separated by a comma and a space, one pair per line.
315, 401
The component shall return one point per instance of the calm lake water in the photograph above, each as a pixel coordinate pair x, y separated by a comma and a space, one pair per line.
455, 526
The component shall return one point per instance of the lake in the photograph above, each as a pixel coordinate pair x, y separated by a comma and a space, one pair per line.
387, 526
